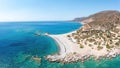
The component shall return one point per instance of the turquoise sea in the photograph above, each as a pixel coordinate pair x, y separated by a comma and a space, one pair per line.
19, 42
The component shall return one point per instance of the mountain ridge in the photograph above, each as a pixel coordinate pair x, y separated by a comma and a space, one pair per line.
104, 20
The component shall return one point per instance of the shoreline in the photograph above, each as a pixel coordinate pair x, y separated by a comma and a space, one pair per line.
70, 51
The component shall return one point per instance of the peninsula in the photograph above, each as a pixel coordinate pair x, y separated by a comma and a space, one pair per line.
98, 37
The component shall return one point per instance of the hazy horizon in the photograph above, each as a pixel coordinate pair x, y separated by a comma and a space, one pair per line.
52, 10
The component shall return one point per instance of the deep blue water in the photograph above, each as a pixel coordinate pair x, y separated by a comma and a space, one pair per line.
18, 41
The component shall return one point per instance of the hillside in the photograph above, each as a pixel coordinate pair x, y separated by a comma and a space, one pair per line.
102, 20
102, 29
79, 19
99, 37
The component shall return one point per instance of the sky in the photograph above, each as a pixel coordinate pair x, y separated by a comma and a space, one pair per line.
52, 10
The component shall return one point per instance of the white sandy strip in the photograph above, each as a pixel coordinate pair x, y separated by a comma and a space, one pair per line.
60, 44
67, 46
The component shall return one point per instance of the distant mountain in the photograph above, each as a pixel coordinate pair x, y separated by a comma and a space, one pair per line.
79, 19
104, 20
101, 20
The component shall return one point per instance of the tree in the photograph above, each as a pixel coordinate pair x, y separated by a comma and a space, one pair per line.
68, 35
108, 46
99, 47
81, 46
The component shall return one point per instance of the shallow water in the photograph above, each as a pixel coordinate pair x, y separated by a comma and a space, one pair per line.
18, 43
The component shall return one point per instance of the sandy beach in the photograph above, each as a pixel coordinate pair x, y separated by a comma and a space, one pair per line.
71, 51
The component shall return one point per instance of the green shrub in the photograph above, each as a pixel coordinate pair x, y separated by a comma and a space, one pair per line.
81, 46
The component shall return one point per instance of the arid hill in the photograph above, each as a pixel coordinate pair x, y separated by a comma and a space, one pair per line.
105, 20
101, 32
79, 19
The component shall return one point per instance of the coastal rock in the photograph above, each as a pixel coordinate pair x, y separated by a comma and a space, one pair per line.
68, 58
